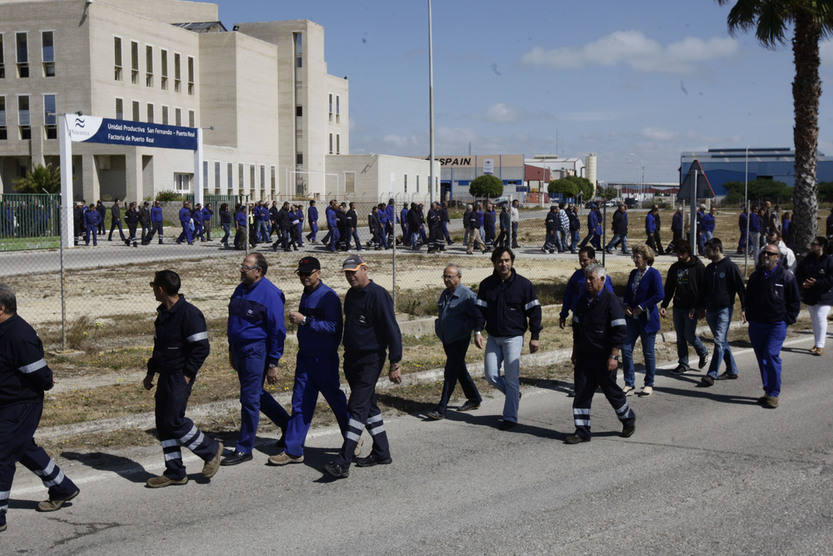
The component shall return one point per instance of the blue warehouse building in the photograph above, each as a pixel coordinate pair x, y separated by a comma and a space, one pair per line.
724, 165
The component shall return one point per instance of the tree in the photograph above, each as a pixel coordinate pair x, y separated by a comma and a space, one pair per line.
570, 186
760, 189
811, 21
38, 179
826, 191
608, 193
486, 185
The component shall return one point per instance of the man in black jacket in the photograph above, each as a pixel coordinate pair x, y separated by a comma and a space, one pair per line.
24, 375
598, 332
776, 304
180, 346
683, 284
115, 221
722, 282
619, 226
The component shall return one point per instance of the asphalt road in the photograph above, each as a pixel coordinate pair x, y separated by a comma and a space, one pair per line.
116, 253
707, 471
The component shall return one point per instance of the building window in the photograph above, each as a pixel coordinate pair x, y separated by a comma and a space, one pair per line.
299, 158
204, 174
190, 75
331, 143
50, 117
182, 182
164, 59
331, 107
117, 55
23, 117
406, 183
299, 111
338, 108
299, 50
136, 116
241, 174
230, 177
134, 62
338, 143
150, 113
192, 119
22, 42
148, 66
165, 115
262, 176
119, 109
417, 184
48, 53
3, 133
251, 176
273, 181
217, 176
177, 72
178, 113
2, 58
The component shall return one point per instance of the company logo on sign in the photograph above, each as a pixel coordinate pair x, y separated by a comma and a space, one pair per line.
82, 128
488, 165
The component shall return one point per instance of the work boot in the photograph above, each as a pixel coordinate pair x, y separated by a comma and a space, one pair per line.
283, 458
213, 465
163, 481
55, 503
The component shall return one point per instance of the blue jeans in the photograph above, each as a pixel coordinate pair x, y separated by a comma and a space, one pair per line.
615, 241
507, 351
415, 241
576, 235
767, 339
250, 362
686, 330
636, 329
719, 320
226, 229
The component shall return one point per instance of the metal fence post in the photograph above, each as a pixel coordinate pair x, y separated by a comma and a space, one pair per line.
63, 281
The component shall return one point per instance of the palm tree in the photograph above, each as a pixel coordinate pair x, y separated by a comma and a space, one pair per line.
39, 179
811, 20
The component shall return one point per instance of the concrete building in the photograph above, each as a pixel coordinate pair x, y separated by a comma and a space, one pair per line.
459, 170
723, 165
381, 177
271, 115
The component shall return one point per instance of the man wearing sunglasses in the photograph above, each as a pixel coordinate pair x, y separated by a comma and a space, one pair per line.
256, 333
316, 369
775, 304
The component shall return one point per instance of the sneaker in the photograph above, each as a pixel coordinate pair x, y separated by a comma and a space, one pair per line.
819, 351
55, 503
628, 390
162, 481
213, 465
647, 391
235, 458
435, 415
469, 405
679, 369
336, 470
761, 400
770, 402
726, 375
372, 460
628, 430
283, 458
703, 360
706, 381
575, 439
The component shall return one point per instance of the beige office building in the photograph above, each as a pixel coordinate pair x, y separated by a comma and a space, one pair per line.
271, 115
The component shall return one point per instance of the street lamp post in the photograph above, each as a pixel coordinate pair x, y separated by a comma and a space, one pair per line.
430, 105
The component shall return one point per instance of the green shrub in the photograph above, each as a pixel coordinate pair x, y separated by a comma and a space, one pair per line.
163, 196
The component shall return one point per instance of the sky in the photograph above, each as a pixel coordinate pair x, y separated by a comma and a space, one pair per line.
637, 82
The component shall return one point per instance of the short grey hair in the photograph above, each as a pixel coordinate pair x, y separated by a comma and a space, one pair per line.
596, 269
455, 267
8, 299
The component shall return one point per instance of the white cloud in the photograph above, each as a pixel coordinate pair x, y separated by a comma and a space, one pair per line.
658, 134
637, 51
502, 114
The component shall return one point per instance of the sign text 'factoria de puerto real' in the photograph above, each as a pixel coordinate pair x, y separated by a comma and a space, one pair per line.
93, 129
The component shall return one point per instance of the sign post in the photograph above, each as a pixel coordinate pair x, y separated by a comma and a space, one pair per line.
77, 128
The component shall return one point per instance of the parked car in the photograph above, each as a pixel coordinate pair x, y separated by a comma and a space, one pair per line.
631, 202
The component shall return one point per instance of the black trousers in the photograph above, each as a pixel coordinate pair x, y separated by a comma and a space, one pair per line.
174, 429
18, 424
155, 227
455, 370
362, 372
588, 374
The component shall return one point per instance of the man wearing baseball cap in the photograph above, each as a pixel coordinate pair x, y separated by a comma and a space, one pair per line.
370, 331
316, 367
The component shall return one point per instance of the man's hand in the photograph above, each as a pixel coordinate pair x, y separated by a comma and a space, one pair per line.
562, 322
636, 311
612, 364
188, 379
295, 317
148, 382
272, 375
395, 374
478, 340
662, 312
533, 346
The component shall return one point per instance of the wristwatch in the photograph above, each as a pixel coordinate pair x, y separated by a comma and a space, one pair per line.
616, 357
304, 321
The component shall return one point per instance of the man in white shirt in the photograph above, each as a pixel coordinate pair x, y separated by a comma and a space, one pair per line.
515, 218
